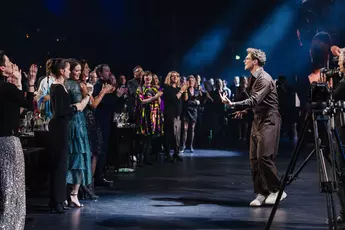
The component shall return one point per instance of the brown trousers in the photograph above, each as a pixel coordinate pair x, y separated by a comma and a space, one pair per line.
264, 141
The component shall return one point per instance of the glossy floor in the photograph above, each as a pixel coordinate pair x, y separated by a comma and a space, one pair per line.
208, 190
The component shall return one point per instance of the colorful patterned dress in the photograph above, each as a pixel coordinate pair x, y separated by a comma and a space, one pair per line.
150, 116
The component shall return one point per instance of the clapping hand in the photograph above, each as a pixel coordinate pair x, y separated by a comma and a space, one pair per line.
159, 94
32, 74
107, 88
184, 87
17, 73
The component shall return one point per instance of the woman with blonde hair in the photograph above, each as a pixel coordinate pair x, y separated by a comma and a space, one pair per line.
172, 114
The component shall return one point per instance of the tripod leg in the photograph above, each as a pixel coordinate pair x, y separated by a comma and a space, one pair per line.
333, 140
340, 173
295, 174
300, 140
289, 170
327, 181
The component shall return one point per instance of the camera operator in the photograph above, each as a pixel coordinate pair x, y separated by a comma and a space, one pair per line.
320, 56
339, 92
339, 95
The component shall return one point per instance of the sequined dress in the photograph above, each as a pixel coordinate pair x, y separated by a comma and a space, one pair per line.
94, 131
12, 173
150, 116
79, 154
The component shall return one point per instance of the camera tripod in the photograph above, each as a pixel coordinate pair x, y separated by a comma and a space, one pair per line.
327, 166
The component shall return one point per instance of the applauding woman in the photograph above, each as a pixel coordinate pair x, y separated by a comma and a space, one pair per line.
12, 174
62, 114
150, 116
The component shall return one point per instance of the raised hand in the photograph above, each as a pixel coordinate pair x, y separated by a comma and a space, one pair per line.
32, 74
335, 51
17, 73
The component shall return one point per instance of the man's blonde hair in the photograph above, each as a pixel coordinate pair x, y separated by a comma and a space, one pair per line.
258, 55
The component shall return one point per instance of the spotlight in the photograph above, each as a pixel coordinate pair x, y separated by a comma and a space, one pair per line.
238, 57
27, 35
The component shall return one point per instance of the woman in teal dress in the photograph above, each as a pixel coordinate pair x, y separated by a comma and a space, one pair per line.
79, 154
150, 116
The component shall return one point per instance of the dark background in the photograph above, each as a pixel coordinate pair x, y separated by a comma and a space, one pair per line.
157, 34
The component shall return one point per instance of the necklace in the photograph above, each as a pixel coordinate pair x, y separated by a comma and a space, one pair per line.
60, 83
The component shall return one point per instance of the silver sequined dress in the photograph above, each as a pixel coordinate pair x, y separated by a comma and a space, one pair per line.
12, 186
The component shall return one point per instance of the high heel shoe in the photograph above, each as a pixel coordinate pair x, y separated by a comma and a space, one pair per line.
57, 208
73, 204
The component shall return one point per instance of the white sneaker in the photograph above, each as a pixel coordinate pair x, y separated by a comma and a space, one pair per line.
258, 201
271, 199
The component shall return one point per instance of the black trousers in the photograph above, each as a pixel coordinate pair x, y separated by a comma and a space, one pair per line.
105, 125
341, 166
59, 135
172, 133
264, 141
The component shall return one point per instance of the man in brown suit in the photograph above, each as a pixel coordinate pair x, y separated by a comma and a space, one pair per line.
264, 138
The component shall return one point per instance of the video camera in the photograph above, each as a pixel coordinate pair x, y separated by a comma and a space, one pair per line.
323, 103
333, 70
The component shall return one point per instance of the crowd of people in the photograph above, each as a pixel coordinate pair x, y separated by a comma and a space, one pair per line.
79, 105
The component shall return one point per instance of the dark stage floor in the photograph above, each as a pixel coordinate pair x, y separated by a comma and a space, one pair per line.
209, 190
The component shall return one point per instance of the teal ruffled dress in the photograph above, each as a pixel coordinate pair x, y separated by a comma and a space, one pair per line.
79, 154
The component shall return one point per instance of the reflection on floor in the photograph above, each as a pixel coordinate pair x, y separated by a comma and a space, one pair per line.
208, 190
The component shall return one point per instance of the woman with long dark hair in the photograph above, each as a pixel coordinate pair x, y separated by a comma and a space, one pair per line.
63, 111
79, 156
12, 173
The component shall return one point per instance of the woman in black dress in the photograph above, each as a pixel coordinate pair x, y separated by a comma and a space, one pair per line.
190, 111
62, 113
12, 173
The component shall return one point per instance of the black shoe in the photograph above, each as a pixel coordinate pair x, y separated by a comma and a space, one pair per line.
104, 183
168, 157
56, 208
176, 157
147, 162
81, 193
89, 192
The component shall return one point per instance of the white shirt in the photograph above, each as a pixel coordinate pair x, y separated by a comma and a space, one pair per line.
43, 89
